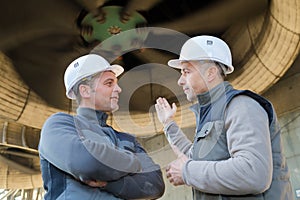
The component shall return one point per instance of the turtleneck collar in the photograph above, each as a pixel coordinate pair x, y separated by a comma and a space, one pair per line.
95, 116
211, 96
214, 94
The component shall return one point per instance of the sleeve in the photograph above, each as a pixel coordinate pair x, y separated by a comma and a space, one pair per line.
249, 169
176, 137
61, 145
148, 184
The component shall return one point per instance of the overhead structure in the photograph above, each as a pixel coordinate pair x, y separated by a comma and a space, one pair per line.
264, 37
263, 49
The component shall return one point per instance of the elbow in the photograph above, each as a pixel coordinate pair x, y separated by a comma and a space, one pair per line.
263, 180
160, 191
156, 191
155, 187
262, 185
253, 187
160, 187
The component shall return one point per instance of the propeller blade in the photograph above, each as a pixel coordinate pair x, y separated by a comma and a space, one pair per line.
136, 5
41, 64
152, 56
217, 17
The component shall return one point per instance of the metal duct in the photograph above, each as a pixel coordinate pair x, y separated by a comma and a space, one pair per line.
17, 102
266, 47
263, 50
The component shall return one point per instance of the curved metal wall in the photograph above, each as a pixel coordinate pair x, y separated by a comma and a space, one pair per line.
263, 50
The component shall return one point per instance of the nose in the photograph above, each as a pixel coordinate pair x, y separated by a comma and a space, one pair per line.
181, 81
118, 88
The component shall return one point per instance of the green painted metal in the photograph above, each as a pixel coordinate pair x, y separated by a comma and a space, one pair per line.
114, 34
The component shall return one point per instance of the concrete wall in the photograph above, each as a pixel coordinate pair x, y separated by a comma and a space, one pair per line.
285, 96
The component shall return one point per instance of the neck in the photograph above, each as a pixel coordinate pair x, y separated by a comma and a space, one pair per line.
214, 83
87, 104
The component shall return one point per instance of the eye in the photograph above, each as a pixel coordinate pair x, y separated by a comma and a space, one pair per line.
109, 83
185, 71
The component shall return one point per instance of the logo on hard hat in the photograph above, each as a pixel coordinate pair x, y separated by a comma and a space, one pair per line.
76, 64
209, 42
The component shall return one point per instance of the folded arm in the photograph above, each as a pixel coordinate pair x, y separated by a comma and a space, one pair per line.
83, 158
148, 184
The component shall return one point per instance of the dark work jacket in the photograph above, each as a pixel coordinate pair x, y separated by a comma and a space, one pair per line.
74, 149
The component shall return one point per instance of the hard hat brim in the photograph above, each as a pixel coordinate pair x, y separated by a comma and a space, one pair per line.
116, 69
176, 63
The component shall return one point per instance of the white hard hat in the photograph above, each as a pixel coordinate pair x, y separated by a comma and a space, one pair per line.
85, 66
204, 48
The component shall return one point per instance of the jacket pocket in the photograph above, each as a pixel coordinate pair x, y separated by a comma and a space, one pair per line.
207, 138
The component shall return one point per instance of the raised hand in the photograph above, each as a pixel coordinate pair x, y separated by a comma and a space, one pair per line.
165, 112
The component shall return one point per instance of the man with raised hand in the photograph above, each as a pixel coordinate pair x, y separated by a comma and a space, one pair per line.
237, 150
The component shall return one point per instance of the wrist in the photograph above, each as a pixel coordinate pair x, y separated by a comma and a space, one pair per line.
167, 122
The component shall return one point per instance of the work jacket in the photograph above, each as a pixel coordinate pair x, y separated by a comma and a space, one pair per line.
76, 149
237, 150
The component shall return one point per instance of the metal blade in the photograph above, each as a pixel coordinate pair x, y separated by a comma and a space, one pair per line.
217, 17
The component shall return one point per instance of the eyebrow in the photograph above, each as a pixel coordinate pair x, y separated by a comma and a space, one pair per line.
185, 67
109, 79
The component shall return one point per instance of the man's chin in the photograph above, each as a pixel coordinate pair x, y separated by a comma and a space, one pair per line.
114, 108
190, 98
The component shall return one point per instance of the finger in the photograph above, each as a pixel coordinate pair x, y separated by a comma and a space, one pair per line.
168, 167
159, 100
165, 102
157, 107
102, 184
171, 180
176, 183
174, 107
92, 183
168, 175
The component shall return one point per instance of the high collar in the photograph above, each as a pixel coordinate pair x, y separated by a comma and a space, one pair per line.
211, 95
95, 116
214, 94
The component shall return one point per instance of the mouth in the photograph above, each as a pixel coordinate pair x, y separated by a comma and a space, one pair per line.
114, 98
185, 90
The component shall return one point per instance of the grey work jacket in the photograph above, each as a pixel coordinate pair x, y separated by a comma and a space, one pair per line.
217, 156
74, 149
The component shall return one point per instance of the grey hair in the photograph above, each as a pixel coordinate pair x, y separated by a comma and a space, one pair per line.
222, 68
85, 81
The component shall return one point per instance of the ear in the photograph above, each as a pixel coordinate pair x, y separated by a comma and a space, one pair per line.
212, 73
85, 91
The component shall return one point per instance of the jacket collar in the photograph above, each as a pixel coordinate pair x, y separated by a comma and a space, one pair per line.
211, 96
95, 116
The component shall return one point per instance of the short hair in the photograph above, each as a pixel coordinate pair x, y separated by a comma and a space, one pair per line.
222, 68
85, 81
